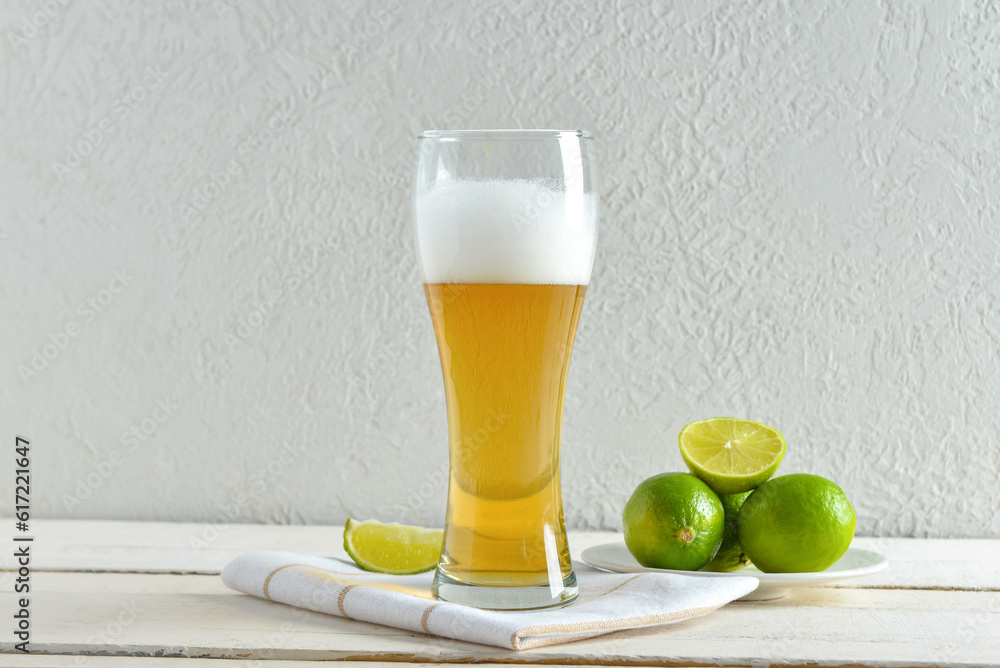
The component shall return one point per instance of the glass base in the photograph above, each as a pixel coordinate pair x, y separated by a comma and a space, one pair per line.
505, 598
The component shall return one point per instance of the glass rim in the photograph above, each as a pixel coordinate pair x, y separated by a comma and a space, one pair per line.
508, 134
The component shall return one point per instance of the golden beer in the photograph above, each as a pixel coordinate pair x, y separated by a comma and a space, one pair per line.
505, 228
505, 351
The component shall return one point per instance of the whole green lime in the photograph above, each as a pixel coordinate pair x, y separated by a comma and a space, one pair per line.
673, 520
797, 523
730, 556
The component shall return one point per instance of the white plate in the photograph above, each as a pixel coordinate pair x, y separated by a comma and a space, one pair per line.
616, 558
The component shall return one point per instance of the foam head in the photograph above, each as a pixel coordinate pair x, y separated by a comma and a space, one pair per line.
505, 231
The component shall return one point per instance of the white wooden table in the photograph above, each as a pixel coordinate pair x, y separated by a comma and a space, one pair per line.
144, 593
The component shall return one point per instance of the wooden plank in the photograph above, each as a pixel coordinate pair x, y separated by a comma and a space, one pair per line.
195, 616
77, 661
165, 546
199, 548
127, 583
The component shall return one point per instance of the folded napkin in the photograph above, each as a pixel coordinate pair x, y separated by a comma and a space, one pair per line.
608, 602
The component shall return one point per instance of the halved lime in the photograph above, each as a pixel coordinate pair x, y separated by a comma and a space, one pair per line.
731, 456
393, 548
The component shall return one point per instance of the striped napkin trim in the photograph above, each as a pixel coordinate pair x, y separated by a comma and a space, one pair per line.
522, 638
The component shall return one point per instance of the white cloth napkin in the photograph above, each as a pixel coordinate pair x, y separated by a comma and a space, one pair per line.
608, 602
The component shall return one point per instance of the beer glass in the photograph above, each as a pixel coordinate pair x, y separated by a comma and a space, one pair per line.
506, 228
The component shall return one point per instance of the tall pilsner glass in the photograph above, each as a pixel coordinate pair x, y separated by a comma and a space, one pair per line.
506, 227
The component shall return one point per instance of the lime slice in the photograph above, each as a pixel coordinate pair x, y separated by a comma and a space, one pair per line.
731, 456
392, 548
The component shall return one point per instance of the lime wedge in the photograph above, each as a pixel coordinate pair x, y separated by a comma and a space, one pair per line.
392, 548
731, 456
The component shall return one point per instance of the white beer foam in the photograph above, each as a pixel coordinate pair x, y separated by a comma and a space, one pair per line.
505, 231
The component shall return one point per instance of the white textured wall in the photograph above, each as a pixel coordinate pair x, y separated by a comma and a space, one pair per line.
799, 226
